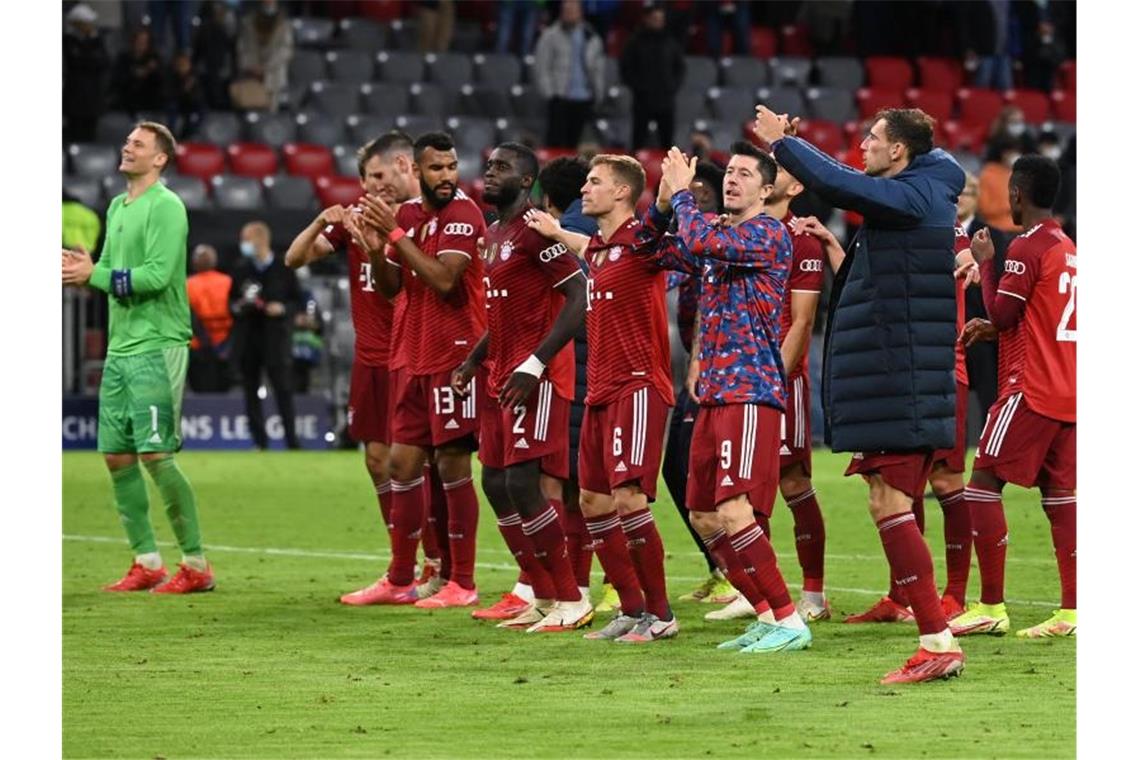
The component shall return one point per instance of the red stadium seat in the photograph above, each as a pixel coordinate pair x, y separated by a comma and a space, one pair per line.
825, 135
944, 74
201, 160
936, 103
382, 10
962, 136
307, 160
978, 106
647, 197
1065, 106
1067, 76
650, 159
334, 191
888, 73
794, 41
252, 159
870, 101
1033, 103
549, 154
763, 42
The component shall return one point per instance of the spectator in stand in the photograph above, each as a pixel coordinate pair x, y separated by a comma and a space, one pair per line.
601, 14
993, 180
436, 24
983, 30
570, 71
185, 102
264, 49
1041, 47
524, 15
208, 292
653, 67
307, 343
981, 358
264, 296
137, 78
736, 15
214, 53
701, 146
85, 65
828, 23
1066, 206
1010, 124
180, 15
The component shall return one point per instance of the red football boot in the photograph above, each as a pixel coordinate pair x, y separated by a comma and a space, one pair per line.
381, 592
508, 607
187, 581
138, 578
886, 610
928, 666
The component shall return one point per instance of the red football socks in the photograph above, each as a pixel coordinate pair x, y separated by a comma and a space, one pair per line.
614, 553
991, 535
462, 523
810, 537
522, 548
578, 545
913, 570
648, 555
407, 523
759, 559
384, 497
545, 530
956, 531
732, 567
1061, 509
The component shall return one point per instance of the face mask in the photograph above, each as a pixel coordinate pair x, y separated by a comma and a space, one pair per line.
1053, 152
248, 249
1016, 128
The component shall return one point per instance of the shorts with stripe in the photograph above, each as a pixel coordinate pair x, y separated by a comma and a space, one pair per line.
429, 413
795, 426
955, 458
734, 451
1020, 446
621, 443
369, 420
903, 471
538, 429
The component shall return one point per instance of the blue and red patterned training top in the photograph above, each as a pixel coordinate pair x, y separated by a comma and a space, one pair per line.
744, 270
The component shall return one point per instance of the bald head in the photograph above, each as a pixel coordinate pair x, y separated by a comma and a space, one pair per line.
204, 258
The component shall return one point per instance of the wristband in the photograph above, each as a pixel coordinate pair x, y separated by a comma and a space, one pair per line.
121, 283
395, 235
532, 366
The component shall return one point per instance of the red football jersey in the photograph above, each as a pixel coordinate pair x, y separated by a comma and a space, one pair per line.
627, 326
437, 332
523, 270
961, 243
1038, 355
371, 311
805, 276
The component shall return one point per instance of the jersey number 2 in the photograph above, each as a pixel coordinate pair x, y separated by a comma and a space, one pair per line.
1067, 283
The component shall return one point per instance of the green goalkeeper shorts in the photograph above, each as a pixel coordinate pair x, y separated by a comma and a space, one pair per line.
140, 402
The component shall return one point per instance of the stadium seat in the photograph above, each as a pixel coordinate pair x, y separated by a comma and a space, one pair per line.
237, 193
830, 103
472, 133
1033, 103
527, 70
417, 124
731, 104
527, 103
317, 128
888, 73
306, 66
1065, 106
274, 129
497, 69
364, 127
350, 66
825, 135
722, 133
484, 100
362, 34
289, 193
220, 128
691, 105
937, 103
520, 130
345, 157
964, 136
470, 163
763, 42
113, 127
843, 72
308, 160
1067, 76
943, 74
739, 71
333, 98
431, 99
201, 160
700, 73
313, 32
618, 102
467, 37
449, 68
113, 184
403, 34
90, 160
332, 191
86, 190
977, 106
612, 71
399, 66
191, 190
871, 101
385, 97
790, 71
780, 99
650, 159
248, 159
794, 40
613, 132
545, 155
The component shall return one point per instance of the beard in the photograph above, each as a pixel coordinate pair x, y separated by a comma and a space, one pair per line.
436, 200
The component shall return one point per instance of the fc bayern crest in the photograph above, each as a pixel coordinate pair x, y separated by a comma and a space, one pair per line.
431, 227
505, 251
615, 253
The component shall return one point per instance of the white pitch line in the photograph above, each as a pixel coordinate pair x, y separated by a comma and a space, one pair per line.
333, 554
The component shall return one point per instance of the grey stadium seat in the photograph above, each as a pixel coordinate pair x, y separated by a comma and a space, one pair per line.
363, 34
313, 32
191, 190
430, 99
734, 104
700, 73
472, 133
418, 124
220, 128
345, 157
615, 132
468, 37
274, 129
319, 129
831, 103
790, 71
449, 68
352, 66
612, 71
307, 66
521, 130
237, 193
397, 66
90, 160
290, 193
112, 185
527, 103
403, 34
782, 100
843, 72
497, 69
484, 100
87, 190
723, 133
618, 102
333, 98
691, 105
741, 71
365, 127
528, 70
386, 97
113, 128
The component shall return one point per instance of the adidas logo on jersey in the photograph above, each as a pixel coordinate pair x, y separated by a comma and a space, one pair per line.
621, 467
784, 450
451, 425
727, 481
156, 438
521, 444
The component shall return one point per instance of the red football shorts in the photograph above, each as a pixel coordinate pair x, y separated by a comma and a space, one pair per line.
369, 415
955, 458
1020, 446
538, 429
429, 413
621, 442
795, 426
734, 450
902, 471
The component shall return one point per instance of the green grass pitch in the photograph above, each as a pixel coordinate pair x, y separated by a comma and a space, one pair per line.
270, 665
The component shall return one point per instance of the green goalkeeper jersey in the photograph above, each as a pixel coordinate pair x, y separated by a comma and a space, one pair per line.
143, 269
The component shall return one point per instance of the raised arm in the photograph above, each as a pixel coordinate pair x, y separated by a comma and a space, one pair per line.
547, 226
442, 272
316, 240
752, 244
1005, 294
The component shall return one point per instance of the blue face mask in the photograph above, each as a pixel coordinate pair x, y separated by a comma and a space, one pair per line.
248, 248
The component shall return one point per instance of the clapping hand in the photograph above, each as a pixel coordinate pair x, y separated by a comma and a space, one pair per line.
76, 266
542, 223
978, 330
966, 268
365, 235
378, 214
678, 170
770, 126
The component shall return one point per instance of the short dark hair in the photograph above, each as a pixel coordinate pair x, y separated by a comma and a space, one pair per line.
395, 140
913, 127
527, 159
764, 162
1038, 178
440, 141
163, 140
562, 180
713, 176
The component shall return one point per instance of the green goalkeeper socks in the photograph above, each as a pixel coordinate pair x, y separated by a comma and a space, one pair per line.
132, 504
181, 504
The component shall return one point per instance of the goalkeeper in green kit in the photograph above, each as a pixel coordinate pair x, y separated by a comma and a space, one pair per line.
143, 271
